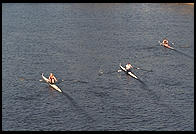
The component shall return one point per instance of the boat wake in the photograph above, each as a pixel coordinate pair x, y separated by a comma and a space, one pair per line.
153, 94
184, 54
79, 109
157, 100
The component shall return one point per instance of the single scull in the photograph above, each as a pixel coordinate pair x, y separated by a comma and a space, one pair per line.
129, 73
52, 85
165, 45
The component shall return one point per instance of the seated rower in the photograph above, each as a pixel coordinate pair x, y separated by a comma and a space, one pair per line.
52, 79
165, 43
128, 67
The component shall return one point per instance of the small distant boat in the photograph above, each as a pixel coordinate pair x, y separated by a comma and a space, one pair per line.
165, 45
129, 73
52, 85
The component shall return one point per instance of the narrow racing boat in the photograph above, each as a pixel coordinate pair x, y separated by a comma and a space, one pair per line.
167, 46
129, 73
52, 85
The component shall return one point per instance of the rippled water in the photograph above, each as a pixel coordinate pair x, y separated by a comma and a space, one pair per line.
83, 45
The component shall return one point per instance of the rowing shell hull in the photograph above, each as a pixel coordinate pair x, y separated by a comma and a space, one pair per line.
52, 85
165, 46
129, 73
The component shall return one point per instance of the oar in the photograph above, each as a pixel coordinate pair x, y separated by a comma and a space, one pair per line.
109, 72
26, 79
59, 81
142, 69
138, 68
162, 43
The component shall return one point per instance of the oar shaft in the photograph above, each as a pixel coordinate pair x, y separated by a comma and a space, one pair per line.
143, 69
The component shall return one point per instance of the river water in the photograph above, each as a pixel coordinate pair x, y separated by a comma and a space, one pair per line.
83, 44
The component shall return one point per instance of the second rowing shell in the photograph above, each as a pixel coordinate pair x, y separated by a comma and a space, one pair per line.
129, 73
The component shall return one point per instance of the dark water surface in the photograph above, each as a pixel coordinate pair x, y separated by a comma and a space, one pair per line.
83, 44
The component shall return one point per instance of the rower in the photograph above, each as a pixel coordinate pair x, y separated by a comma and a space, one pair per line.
52, 79
165, 42
128, 67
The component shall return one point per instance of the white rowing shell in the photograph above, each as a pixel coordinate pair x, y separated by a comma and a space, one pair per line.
166, 46
52, 85
131, 74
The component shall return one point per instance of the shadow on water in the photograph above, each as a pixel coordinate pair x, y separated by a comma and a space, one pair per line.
79, 109
183, 54
157, 100
145, 87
